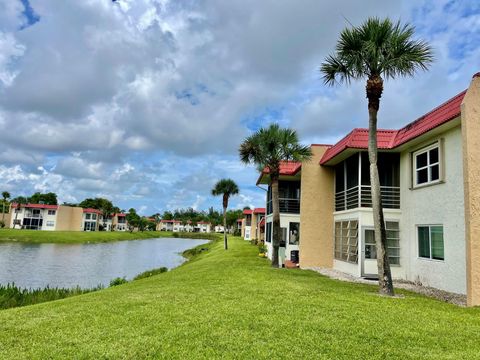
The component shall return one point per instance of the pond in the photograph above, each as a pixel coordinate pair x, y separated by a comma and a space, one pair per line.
87, 265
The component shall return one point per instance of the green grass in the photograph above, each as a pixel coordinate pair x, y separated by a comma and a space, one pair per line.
233, 305
73, 237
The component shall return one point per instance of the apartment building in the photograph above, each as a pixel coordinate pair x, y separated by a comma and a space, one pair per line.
63, 218
250, 224
429, 172
119, 222
92, 219
179, 226
45, 217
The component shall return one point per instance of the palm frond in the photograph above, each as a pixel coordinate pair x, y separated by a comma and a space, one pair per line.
225, 187
376, 47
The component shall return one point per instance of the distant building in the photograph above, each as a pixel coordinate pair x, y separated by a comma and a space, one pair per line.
62, 218
251, 224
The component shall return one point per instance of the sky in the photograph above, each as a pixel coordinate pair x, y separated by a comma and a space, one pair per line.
145, 102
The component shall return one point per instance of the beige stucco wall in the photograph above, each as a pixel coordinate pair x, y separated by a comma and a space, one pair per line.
471, 177
253, 235
7, 219
316, 209
69, 218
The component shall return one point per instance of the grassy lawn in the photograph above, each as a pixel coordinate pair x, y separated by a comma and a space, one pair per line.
34, 236
233, 305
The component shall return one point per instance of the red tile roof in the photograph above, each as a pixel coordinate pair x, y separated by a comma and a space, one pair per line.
94, 211
36, 206
438, 116
247, 212
390, 139
287, 168
259, 211
170, 221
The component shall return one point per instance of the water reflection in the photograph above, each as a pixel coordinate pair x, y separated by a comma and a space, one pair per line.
86, 265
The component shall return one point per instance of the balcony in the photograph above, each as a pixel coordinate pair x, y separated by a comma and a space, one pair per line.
361, 196
287, 206
33, 216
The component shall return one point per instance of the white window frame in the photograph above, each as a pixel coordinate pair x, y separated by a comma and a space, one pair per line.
50, 223
346, 241
52, 212
430, 242
428, 166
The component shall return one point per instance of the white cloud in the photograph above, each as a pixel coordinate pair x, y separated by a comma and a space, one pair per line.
146, 101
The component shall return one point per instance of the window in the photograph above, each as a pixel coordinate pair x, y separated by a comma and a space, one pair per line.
427, 165
268, 232
346, 240
51, 212
430, 242
89, 226
50, 223
88, 216
393, 243
94, 216
294, 237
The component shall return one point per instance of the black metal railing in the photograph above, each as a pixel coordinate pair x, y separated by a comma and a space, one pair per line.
286, 205
361, 196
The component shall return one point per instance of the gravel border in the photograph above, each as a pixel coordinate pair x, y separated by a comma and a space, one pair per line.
449, 297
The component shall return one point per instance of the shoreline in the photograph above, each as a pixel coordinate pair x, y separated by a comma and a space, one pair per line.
81, 237
58, 293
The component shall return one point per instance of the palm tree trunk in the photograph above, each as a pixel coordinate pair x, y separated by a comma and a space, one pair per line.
374, 92
275, 221
225, 205
225, 228
3, 211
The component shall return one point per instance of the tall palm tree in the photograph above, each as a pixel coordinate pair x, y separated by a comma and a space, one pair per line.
267, 148
5, 196
375, 50
227, 188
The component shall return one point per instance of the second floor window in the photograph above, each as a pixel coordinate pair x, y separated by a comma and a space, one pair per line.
427, 165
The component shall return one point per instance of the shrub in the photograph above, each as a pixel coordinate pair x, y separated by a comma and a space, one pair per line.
13, 296
262, 249
149, 273
2, 224
118, 281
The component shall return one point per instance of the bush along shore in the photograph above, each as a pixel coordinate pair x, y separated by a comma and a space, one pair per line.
13, 296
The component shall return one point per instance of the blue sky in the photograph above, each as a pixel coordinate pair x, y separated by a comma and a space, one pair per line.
145, 102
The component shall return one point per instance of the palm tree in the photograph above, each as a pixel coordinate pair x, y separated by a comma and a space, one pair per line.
5, 196
267, 148
375, 50
225, 187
